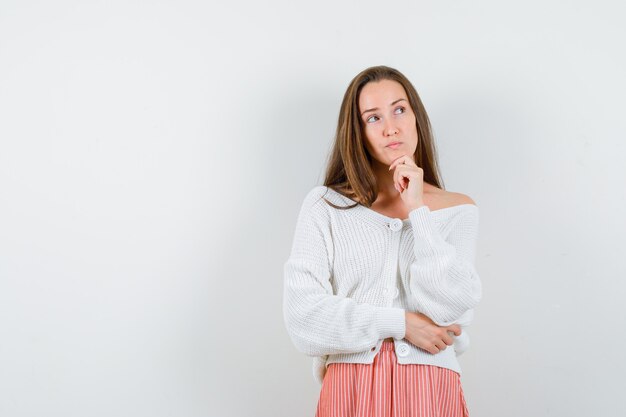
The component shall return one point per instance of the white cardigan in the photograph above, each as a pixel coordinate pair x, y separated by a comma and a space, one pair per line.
352, 274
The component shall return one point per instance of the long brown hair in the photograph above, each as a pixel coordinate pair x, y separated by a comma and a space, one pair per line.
349, 170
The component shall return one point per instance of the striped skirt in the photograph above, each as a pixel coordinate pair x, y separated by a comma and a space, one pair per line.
388, 389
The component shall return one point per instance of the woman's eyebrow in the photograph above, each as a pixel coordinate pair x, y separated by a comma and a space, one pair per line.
376, 108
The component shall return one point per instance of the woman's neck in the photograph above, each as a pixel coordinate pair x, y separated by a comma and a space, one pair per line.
384, 180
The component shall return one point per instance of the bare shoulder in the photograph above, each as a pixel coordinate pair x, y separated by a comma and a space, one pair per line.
438, 198
451, 199
459, 198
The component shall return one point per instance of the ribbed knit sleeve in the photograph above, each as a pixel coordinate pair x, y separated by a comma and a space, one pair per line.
443, 281
319, 322
461, 343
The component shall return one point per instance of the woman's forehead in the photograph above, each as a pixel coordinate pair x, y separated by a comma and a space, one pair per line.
381, 93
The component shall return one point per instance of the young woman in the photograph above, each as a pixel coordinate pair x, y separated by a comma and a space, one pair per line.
380, 283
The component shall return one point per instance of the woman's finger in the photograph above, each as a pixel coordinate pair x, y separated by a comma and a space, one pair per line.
397, 179
447, 339
402, 172
403, 160
398, 168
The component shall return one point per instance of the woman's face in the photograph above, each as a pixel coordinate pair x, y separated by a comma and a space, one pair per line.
390, 128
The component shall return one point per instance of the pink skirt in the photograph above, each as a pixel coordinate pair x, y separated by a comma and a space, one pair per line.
388, 389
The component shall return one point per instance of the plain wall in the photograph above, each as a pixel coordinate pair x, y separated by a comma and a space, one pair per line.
154, 156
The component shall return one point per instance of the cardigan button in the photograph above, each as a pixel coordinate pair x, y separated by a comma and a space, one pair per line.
402, 349
395, 225
394, 291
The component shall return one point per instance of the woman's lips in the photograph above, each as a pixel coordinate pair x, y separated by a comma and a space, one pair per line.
394, 145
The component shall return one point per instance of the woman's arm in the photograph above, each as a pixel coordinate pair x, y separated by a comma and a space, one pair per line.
319, 322
461, 343
443, 280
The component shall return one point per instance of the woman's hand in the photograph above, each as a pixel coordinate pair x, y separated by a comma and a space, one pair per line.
422, 332
408, 179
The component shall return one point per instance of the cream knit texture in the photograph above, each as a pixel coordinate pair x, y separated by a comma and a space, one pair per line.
352, 273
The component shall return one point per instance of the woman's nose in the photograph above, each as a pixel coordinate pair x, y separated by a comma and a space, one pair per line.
391, 129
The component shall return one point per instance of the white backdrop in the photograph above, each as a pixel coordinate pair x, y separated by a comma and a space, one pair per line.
154, 156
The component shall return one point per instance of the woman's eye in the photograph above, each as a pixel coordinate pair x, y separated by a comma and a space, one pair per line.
372, 119
400, 110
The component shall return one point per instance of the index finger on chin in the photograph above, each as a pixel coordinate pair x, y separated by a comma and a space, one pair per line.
397, 160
